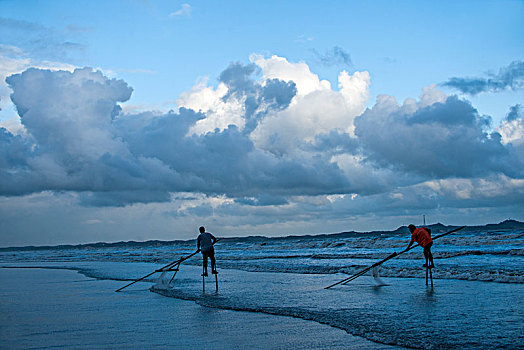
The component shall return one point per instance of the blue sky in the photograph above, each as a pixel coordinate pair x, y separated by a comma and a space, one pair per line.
173, 53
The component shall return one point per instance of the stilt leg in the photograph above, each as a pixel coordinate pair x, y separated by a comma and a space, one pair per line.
431, 277
216, 280
427, 275
203, 281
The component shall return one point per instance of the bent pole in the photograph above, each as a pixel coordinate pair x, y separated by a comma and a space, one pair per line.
167, 267
360, 273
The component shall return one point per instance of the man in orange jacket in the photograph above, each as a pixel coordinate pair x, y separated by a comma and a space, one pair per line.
422, 236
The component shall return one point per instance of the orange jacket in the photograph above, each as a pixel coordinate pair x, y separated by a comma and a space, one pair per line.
421, 236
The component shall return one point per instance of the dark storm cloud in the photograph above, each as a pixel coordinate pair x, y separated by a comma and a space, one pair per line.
258, 99
515, 112
508, 78
227, 162
336, 56
238, 78
122, 198
334, 142
438, 141
13, 150
77, 142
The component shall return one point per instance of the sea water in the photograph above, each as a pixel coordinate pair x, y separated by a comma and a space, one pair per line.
476, 301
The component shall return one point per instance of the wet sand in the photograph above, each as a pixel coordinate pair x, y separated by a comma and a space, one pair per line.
43, 308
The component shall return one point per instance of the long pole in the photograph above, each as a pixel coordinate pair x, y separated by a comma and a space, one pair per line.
358, 274
176, 270
159, 270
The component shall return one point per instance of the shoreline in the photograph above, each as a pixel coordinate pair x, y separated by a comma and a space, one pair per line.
57, 308
364, 312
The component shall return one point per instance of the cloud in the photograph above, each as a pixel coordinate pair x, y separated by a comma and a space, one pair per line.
303, 38
11, 51
184, 11
14, 60
78, 141
258, 99
335, 142
508, 78
238, 100
336, 56
439, 140
41, 42
316, 108
511, 130
440, 198
277, 67
270, 134
515, 112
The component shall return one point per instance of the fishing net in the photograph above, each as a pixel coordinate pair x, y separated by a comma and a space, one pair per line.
376, 276
163, 281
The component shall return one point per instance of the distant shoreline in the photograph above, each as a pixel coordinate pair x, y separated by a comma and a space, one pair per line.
504, 225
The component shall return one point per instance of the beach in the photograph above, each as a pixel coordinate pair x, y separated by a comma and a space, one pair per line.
57, 308
271, 294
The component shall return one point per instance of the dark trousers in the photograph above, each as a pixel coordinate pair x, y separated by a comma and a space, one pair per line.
428, 255
211, 254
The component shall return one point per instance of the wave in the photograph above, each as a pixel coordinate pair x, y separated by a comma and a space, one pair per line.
512, 252
372, 321
510, 275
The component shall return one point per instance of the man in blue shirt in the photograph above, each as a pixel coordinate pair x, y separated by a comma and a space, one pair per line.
205, 243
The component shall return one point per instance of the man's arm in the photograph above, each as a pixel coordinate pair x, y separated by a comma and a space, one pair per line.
198, 243
213, 238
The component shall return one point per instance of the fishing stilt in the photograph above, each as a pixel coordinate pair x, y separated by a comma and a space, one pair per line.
427, 270
216, 280
203, 280
431, 276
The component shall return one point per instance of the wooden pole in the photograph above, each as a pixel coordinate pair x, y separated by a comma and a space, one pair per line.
362, 272
431, 276
141, 278
216, 280
203, 280
176, 270
427, 269
159, 270
358, 274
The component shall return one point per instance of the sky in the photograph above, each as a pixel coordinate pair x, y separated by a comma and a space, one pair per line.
139, 120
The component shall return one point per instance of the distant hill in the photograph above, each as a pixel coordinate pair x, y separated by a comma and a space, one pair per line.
435, 228
504, 225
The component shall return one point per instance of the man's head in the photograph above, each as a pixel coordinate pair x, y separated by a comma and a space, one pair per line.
202, 229
412, 228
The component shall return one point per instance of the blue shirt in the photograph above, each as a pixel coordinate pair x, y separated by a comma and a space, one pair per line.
205, 241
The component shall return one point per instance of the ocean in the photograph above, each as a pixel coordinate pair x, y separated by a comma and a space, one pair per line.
476, 301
